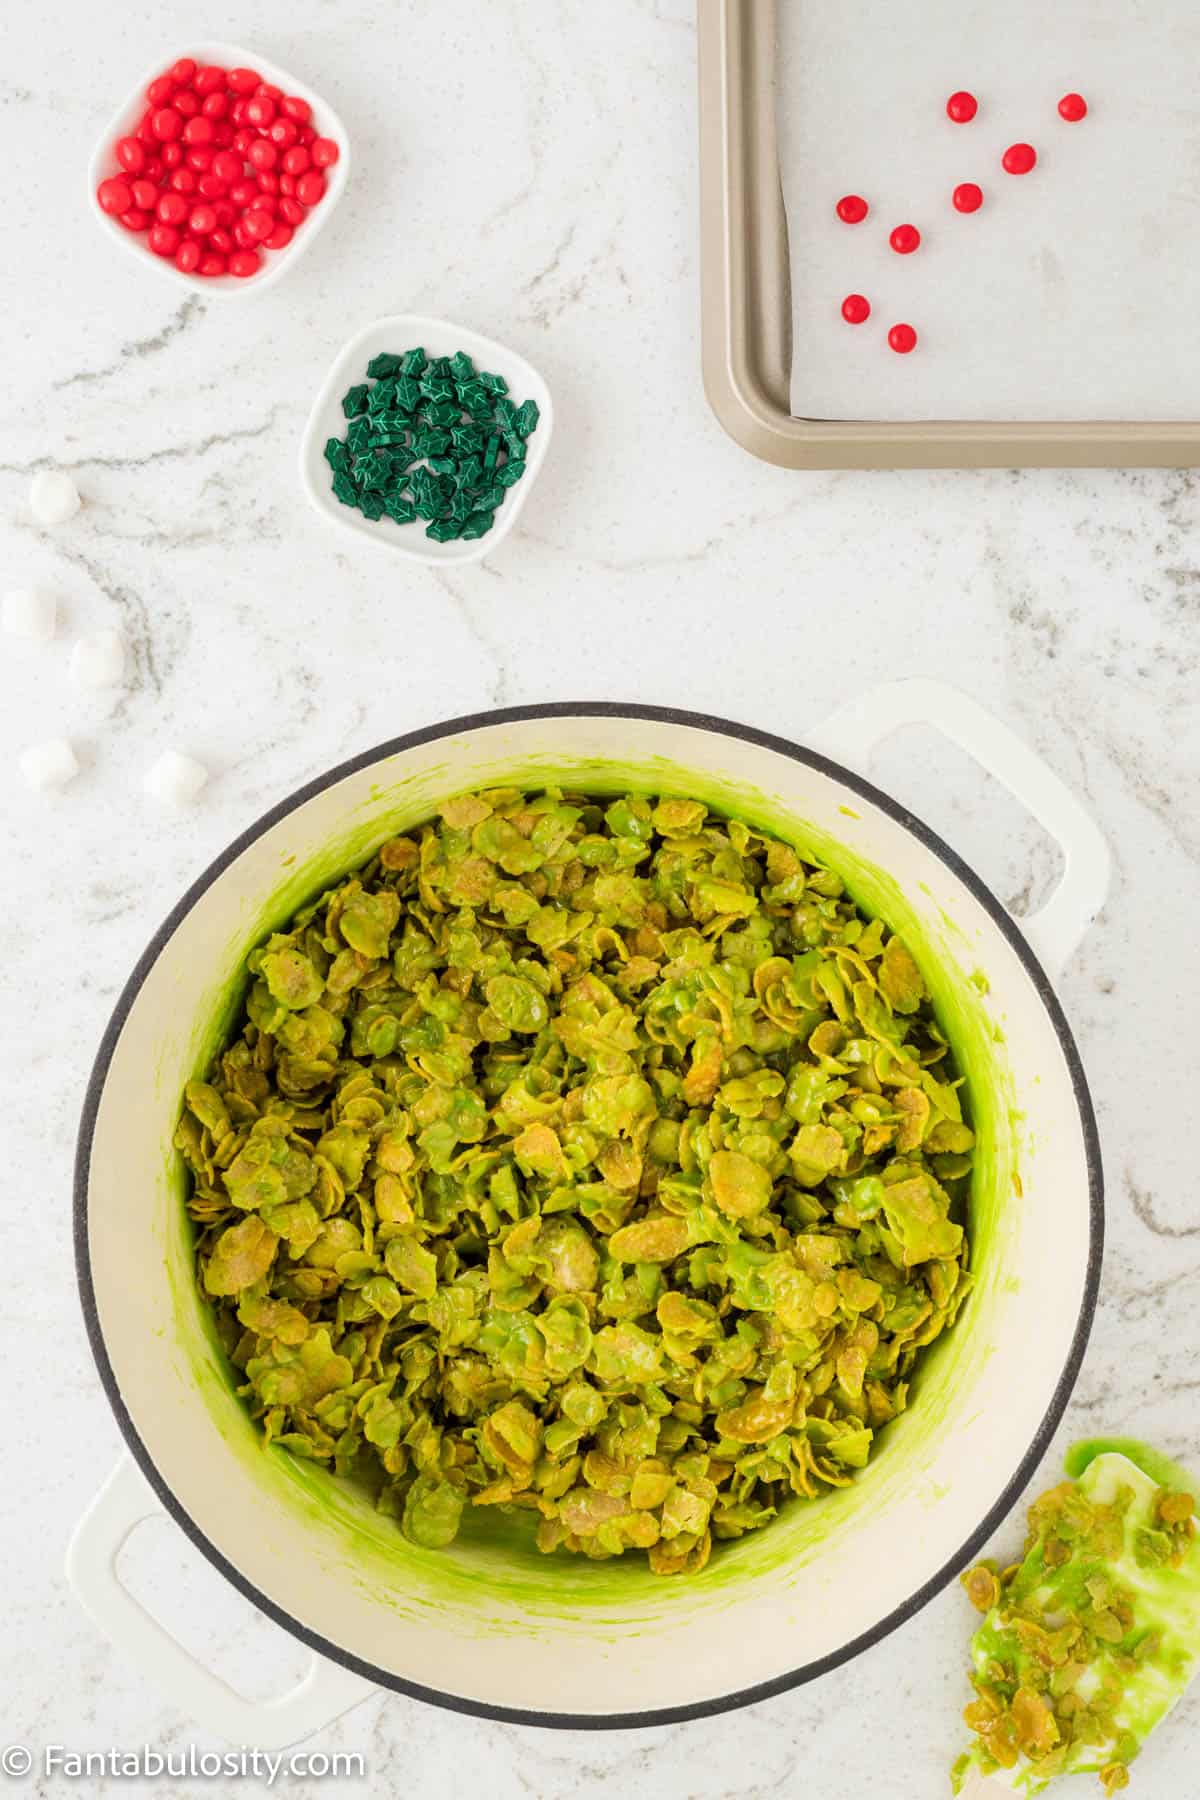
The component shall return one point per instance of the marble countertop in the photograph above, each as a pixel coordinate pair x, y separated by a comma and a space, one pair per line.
531, 171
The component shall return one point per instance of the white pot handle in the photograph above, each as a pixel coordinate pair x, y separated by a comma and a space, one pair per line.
323, 1694
852, 732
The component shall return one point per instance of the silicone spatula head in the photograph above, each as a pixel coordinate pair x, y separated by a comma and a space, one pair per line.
1094, 1636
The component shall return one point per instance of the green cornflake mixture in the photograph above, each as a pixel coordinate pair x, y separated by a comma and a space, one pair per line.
599, 1159
1073, 1648
433, 439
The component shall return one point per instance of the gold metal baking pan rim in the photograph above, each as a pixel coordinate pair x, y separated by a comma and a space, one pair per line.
746, 328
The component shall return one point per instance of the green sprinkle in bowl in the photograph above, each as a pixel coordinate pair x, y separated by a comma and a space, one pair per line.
437, 337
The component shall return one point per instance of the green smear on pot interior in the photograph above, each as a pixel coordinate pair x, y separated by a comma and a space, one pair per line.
369, 1550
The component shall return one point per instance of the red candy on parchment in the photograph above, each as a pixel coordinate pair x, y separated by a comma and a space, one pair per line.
967, 197
1018, 159
1073, 107
905, 239
856, 309
962, 107
902, 339
233, 140
852, 209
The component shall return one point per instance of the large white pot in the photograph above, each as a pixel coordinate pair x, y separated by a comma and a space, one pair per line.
487, 1627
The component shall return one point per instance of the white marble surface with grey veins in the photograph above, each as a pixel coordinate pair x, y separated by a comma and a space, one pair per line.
529, 170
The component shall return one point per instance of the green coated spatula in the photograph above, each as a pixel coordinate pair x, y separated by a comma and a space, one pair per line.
1091, 1640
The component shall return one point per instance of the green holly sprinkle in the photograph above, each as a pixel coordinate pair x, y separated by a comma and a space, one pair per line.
433, 439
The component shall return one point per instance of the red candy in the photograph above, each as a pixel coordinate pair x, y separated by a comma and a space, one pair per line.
1018, 159
852, 209
905, 239
115, 196
223, 165
131, 154
163, 240
962, 107
967, 197
902, 339
1073, 107
257, 225
856, 309
166, 124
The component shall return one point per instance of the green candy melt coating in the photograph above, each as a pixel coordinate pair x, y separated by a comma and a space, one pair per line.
433, 439
596, 1157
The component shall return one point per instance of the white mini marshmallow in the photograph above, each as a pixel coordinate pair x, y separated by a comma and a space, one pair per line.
175, 779
30, 613
98, 660
53, 497
49, 765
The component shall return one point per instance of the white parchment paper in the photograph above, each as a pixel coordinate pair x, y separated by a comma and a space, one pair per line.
1074, 293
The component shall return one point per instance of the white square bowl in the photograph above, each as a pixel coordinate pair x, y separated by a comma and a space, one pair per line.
438, 337
125, 121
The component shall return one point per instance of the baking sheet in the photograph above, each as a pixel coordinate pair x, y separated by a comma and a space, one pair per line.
1074, 293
